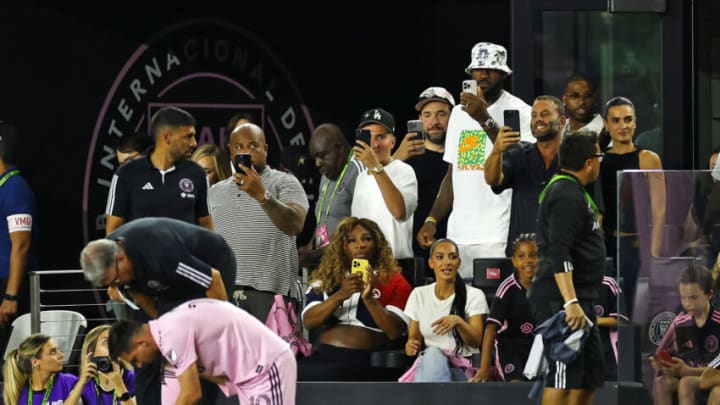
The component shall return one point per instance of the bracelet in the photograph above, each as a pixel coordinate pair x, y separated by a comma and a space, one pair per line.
10, 297
431, 219
570, 302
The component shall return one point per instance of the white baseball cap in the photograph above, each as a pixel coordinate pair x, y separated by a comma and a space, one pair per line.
434, 94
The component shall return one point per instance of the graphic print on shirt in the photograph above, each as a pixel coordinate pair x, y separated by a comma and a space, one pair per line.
471, 149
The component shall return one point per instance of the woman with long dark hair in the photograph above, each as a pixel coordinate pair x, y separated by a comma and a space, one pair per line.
446, 321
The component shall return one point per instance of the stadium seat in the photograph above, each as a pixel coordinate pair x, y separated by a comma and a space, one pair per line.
489, 272
66, 327
414, 270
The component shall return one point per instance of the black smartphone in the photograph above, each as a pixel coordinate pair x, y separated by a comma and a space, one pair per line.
511, 118
363, 135
242, 159
416, 126
103, 363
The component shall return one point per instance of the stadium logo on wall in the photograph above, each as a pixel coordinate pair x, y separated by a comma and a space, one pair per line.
658, 325
211, 68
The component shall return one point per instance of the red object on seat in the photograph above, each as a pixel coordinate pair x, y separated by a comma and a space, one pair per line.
492, 273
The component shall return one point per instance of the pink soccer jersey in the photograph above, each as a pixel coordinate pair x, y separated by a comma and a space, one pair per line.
222, 339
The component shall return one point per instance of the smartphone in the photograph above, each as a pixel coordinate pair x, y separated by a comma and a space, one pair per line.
363, 135
511, 118
469, 86
665, 356
416, 126
103, 363
242, 159
360, 266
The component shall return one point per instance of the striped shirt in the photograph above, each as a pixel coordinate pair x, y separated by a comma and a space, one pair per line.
266, 257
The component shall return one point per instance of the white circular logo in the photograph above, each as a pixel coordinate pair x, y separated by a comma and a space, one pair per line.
187, 185
659, 324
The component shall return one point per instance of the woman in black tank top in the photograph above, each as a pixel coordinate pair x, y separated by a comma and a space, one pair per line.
620, 123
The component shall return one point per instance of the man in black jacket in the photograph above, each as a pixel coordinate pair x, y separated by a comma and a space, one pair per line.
571, 267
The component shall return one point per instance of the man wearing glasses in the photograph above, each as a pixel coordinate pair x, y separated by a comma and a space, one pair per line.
526, 168
570, 270
579, 99
163, 260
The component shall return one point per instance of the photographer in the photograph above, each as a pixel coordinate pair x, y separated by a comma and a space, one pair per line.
114, 384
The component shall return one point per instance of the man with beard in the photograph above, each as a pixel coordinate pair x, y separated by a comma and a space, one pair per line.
580, 102
526, 168
426, 156
479, 219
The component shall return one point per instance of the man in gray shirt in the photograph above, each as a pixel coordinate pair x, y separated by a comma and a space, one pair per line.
259, 211
334, 160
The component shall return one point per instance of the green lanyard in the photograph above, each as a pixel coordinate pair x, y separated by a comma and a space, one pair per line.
52, 379
97, 392
574, 180
8, 175
332, 196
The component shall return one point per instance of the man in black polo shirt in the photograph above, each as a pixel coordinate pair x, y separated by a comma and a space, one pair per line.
571, 267
526, 167
165, 183
168, 260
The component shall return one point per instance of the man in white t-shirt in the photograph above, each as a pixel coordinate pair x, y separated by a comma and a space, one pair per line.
216, 341
479, 219
387, 191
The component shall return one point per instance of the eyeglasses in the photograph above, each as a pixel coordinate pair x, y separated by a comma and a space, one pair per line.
578, 96
116, 279
598, 155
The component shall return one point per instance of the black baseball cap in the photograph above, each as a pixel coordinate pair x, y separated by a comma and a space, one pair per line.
378, 116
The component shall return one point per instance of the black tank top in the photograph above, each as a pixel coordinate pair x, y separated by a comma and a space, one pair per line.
611, 163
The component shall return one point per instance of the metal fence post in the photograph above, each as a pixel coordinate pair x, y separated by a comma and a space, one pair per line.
34, 302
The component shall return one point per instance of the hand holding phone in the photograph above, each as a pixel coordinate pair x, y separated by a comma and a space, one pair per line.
664, 355
242, 159
360, 266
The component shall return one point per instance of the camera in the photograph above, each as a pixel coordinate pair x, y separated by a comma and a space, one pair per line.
104, 364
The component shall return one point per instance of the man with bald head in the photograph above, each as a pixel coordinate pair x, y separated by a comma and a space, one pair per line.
259, 211
334, 160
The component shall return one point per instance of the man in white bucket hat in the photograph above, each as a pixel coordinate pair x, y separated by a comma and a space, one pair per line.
479, 219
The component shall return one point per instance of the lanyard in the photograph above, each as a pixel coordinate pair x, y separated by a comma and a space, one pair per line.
8, 175
572, 179
332, 196
97, 392
48, 389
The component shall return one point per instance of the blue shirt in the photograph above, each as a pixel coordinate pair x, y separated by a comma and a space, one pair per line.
15, 198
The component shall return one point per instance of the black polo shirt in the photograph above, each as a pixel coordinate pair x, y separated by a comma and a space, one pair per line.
524, 171
140, 190
172, 260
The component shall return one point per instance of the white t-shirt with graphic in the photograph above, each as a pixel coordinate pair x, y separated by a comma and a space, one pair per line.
478, 215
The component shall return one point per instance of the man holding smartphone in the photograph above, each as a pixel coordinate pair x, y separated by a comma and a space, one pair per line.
479, 220
259, 211
424, 153
387, 191
526, 168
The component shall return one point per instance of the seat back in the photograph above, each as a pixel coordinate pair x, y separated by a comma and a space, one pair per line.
66, 327
414, 270
489, 272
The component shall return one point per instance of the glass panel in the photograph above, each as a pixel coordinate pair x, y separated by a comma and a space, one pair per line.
668, 221
622, 51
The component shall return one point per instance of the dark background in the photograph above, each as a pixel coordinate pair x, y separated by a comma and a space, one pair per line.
58, 61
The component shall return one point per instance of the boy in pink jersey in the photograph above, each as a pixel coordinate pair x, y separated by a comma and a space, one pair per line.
214, 340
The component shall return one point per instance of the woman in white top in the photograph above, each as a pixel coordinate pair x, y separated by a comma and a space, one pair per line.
446, 321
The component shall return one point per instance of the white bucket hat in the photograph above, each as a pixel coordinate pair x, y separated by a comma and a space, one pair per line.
486, 55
